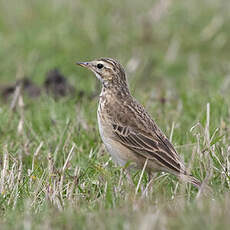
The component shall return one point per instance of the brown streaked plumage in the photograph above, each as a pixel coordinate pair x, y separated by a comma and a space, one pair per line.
127, 130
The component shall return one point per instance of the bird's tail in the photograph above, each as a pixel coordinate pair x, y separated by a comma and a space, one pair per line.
192, 180
203, 188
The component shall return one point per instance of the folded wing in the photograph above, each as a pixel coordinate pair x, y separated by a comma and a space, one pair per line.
155, 147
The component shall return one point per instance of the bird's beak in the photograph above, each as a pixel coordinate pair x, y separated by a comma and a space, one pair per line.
83, 64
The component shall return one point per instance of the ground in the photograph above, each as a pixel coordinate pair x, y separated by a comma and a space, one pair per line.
55, 172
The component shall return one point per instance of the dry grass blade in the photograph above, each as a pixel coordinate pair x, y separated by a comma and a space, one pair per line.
142, 173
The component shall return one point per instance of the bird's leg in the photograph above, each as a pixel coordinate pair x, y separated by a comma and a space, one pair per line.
150, 176
128, 176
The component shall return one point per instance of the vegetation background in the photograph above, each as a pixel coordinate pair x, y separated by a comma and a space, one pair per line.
54, 170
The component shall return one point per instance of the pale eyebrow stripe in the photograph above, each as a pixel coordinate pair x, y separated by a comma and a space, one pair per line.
109, 61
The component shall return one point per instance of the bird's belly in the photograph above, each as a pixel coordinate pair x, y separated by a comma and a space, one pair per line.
114, 152
113, 147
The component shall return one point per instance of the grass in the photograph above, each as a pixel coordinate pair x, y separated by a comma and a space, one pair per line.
55, 172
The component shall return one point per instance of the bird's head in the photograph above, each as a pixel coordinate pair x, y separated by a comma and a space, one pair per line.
107, 70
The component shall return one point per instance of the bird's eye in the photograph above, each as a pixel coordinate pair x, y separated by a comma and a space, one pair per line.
100, 66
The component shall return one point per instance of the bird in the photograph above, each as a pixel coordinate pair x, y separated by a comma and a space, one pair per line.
127, 130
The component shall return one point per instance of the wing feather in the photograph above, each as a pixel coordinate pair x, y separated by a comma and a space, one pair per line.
156, 147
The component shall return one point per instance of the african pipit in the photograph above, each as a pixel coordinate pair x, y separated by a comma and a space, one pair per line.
127, 130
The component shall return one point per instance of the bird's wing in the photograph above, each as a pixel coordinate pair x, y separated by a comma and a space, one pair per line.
155, 147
